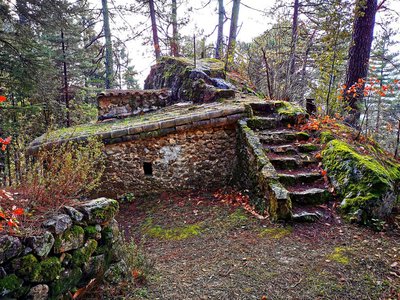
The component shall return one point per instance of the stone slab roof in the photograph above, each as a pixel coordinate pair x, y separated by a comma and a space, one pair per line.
175, 118
119, 93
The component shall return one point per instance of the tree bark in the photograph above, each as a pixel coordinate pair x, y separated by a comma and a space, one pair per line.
65, 79
230, 53
156, 42
359, 53
109, 52
292, 61
174, 41
220, 37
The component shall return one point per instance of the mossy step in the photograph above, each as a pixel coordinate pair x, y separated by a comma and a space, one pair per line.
282, 137
308, 147
296, 178
265, 108
310, 196
262, 123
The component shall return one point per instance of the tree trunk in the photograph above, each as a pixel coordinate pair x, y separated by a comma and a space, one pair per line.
65, 79
292, 61
109, 52
156, 42
220, 37
230, 53
174, 41
359, 53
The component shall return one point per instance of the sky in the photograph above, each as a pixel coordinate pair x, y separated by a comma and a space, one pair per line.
252, 23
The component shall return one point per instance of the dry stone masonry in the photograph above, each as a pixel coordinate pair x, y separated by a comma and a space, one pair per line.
77, 245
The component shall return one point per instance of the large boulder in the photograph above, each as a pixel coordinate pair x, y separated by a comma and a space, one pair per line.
204, 82
368, 188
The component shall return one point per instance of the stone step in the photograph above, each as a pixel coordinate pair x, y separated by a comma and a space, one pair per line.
308, 147
285, 162
299, 177
262, 123
282, 149
282, 136
264, 109
309, 196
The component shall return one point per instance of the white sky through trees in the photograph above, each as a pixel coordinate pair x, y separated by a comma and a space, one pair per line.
252, 22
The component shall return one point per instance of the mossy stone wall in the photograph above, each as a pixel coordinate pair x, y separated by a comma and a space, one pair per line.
199, 158
75, 247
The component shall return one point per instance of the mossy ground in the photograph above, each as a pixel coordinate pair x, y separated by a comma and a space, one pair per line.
237, 256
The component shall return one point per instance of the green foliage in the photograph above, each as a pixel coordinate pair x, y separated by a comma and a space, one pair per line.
338, 255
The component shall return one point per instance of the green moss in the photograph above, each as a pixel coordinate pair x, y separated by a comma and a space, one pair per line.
307, 147
288, 109
276, 233
326, 137
26, 265
82, 255
67, 282
338, 255
105, 214
90, 230
177, 233
75, 233
9, 284
47, 270
361, 180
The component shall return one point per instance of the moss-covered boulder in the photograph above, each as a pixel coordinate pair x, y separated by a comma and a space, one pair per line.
10, 284
71, 239
369, 188
204, 82
47, 270
99, 211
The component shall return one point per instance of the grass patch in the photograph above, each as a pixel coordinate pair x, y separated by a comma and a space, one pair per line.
177, 233
276, 233
339, 255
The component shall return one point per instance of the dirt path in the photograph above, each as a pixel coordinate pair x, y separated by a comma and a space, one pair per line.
204, 249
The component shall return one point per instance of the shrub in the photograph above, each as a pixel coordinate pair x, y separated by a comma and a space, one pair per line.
63, 172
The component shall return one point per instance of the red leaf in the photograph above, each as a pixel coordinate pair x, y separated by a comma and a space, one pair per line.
3, 98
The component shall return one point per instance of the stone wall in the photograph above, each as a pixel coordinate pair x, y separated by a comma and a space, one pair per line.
125, 103
77, 245
202, 157
256, 174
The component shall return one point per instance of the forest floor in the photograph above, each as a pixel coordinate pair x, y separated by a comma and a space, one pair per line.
202, 248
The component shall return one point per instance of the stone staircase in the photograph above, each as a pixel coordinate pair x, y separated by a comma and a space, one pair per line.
291, 153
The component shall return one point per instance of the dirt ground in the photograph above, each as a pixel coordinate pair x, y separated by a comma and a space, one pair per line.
202, 248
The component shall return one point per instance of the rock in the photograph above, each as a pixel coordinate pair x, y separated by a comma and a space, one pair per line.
3, 273
306, 217
369, 188
58, 224
203, 83
9, 284
24, 266
82, 255
71, 239
95, 266
68, 280
111, 234
10, 246
39, 292
42, 244
47, 270
99, 211
74, 214
116, 272
93, 232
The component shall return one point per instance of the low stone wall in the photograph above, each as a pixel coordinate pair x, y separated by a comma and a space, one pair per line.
188, 157
125, 103
257, 175
77, 245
